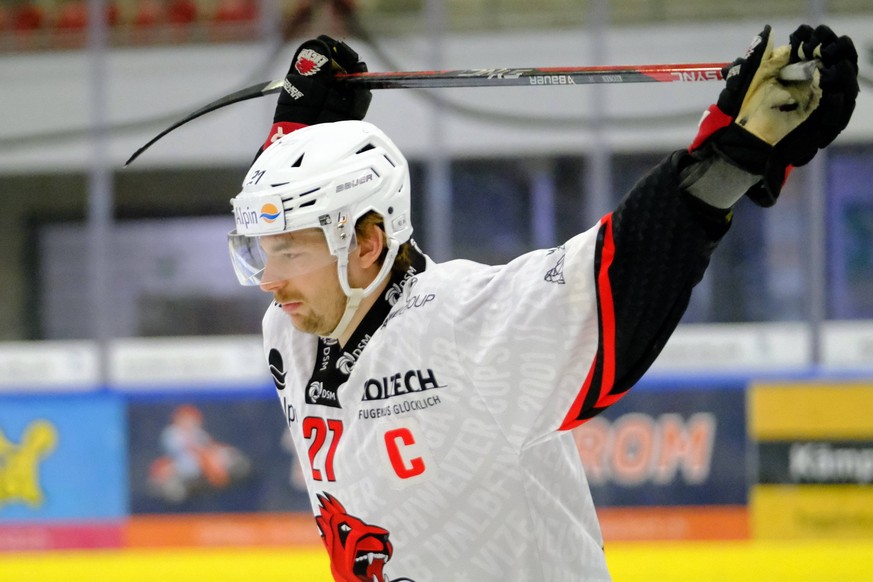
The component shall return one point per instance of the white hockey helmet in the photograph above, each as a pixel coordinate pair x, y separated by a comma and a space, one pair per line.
323, 176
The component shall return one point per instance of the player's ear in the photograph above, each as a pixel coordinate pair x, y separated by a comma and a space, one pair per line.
371, 245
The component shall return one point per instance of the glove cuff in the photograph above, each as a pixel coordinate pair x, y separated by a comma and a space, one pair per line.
716, 181
280, 130
766, 192
719, 135
743, 149
713, 120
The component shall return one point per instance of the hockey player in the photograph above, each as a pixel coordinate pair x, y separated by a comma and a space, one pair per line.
431, 403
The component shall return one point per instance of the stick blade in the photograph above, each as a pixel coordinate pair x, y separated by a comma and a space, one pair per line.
256, 90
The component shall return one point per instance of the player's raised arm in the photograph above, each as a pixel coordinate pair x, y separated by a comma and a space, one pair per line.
654, 248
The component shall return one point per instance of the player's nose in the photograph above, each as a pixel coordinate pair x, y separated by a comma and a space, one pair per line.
271, 286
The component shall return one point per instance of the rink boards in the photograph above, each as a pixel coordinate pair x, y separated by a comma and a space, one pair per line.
681, 459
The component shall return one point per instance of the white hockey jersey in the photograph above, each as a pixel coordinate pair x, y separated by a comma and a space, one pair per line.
436, 445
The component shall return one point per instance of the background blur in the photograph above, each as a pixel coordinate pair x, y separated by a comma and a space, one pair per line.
123, 329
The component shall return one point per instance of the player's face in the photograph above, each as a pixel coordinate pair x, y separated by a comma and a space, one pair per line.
302, 276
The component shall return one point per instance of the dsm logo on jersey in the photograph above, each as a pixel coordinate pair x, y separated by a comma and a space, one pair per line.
318, 393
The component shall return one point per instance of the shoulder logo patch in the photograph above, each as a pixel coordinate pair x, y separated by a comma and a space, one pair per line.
556, 273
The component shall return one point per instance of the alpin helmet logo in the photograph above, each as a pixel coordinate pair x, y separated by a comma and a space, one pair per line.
269, 213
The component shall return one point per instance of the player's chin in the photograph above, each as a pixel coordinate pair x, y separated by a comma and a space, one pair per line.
301, 322
309, 323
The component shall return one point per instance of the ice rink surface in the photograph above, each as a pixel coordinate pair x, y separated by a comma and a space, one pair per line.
793, 561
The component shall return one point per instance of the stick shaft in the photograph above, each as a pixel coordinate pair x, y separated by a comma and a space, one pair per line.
479, 78
682, 73
693, 72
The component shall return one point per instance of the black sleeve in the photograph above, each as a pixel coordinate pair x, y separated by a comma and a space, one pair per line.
651, 251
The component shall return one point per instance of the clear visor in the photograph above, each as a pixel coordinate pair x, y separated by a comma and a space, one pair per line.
274, 258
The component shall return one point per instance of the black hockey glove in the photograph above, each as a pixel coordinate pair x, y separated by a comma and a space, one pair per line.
838, 78
767, 126
310, 95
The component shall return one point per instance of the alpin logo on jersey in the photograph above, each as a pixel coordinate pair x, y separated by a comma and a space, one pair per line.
277, 368
357, 550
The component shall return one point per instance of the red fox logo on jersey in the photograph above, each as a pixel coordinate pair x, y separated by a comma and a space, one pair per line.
358, 551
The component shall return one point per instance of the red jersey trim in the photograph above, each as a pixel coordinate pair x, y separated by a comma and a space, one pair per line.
606, 352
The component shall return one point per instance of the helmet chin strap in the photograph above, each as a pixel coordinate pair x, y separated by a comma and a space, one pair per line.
354, 296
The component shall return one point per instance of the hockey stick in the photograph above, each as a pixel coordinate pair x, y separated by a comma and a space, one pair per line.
497, 78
